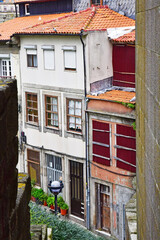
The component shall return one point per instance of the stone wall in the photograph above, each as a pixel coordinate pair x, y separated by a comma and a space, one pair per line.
148, 118
10, 218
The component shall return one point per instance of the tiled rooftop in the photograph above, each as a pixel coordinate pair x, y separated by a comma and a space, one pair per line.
8, 28
115, 95
92, 19
127, 38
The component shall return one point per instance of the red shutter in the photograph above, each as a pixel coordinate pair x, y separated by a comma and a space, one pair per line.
101, 142
126, 146
124, 66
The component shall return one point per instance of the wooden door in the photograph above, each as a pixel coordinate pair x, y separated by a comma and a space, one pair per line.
77, 192
105, 212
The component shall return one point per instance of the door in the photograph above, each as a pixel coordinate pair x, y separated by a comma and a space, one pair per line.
105, 212
33, 159
77, 192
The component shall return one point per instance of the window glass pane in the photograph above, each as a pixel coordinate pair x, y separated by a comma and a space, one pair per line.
78, 112
71, 119
49, 59
54, 108
71, 103
71, 111
54, 101
35, 61
78, 105
29, 60
69, 59
78, 120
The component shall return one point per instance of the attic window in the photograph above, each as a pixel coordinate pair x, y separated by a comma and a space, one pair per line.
27, 12
97, 2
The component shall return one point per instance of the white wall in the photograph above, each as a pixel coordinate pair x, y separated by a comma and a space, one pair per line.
99, 57
57, 77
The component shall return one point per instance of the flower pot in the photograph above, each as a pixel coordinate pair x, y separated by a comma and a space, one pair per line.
45, 203
51, 207
33, 198
63, 212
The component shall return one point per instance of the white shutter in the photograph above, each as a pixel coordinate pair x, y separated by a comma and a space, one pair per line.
70, 59
31, 52
49, 59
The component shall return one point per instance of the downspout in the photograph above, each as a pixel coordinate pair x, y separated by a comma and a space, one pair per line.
16, 9
86, 140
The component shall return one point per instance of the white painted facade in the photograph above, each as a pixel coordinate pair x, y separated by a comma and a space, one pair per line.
63, 84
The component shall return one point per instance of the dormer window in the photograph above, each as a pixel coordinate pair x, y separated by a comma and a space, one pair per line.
97, 2
27, 12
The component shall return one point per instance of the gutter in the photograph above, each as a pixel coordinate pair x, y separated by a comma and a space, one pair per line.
86, 140
16, 10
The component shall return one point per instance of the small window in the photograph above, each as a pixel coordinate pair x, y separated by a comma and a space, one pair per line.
6, 68
27, 11
31, 108
51, 111
48, 59
54, 167
74, 115
97, 2
31, 58
69, 58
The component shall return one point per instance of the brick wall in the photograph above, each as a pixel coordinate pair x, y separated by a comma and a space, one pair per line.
148, 118
11, 214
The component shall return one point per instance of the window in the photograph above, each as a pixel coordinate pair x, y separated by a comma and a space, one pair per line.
48, 52
33, 159
31, 57
31, 108
97, 2
101, 142
51, 104
69, 58
74, 115
27, 12
54, 167
126, 148
6, 68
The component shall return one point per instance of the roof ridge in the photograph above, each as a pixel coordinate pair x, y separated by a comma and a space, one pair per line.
58, 18
90, 17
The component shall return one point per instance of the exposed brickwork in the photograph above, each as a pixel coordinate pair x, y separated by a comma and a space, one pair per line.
11, 214
148, 118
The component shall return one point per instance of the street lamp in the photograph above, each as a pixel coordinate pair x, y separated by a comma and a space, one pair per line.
55, 187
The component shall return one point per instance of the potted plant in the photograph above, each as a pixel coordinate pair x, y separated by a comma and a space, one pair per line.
45, 197
50, 202
60, 202
34, 194
38, 195
64, 209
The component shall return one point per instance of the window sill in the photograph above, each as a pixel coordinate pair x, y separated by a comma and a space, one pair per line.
32, 125
74, 135
52, 130
74, 132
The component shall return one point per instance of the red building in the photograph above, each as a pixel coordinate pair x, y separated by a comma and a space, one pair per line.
112, 142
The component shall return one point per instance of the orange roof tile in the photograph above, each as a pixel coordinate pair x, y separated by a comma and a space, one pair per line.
127, 38
96, 18
8, 28
115, 95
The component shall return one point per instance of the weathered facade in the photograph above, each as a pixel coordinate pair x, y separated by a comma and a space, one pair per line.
148, 119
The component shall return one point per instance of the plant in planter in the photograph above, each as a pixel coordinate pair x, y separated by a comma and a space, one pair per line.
38, 196
64, 209
51, 201
45, 197
60, 202
34, 194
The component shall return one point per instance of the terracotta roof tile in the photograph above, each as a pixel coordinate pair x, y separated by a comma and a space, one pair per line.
8, 28
115, 95
127, 38
92, 19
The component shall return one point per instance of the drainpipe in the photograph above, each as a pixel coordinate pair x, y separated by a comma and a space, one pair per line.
86, 141
16, 9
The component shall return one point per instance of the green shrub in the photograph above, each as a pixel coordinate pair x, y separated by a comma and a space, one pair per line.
62, 229
64, 206
50, 201
60, 201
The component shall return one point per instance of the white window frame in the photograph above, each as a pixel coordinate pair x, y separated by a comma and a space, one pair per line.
33, 54
26, 9
70, 49
52, 169
8, 68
